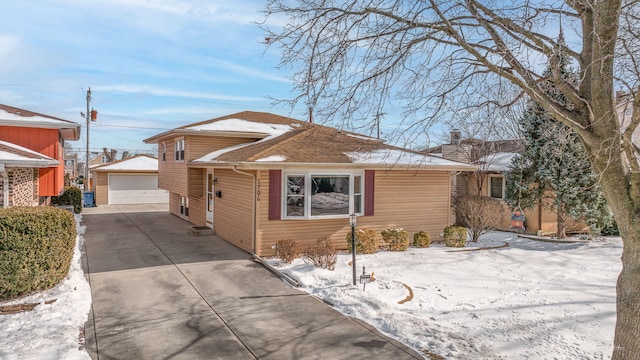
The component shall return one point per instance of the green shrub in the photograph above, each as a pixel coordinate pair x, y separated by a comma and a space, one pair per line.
287, 250
611, 228
36, 248
396, 239
323, 254
421, 239
455, 236
71, 196
367, 241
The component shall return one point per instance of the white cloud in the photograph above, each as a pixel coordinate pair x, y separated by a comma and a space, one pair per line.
159, 91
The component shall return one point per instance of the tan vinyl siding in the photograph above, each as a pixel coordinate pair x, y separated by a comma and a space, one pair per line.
198, 146
233, 211
413, 200
197, 215
101, 188
174, 203
172, 175
196, 182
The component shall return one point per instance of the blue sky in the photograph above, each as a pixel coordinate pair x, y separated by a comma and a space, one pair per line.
152, 65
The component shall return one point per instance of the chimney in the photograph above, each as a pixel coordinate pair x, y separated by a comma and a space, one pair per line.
310, 115
455, 136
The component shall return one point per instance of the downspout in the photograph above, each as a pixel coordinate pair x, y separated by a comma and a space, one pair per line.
253, 210
5, 186
452, 176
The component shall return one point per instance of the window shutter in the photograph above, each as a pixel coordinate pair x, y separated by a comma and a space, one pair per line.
275, 194
369, 191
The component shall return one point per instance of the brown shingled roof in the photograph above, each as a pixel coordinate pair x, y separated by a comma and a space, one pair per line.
311, 144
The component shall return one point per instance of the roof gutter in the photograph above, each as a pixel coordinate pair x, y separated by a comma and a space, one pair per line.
253, 210
181, 132
263, 165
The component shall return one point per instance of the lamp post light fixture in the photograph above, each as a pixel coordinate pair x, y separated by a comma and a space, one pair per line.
353, 221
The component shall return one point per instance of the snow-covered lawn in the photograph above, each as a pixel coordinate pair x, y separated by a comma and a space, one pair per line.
50, 331
530, 300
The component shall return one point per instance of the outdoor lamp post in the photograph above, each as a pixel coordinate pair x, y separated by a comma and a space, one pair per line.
353, 221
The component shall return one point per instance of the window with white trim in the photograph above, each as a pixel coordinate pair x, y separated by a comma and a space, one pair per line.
164, 152
184, 206
316, 195
496, 186
179, 150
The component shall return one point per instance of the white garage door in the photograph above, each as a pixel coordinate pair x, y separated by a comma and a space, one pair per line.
135, 189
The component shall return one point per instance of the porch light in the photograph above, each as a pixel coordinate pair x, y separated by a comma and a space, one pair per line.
353, 221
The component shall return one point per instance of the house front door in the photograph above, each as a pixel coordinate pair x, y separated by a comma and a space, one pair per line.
210, 197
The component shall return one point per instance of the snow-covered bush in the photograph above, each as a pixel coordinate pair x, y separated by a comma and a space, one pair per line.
455, 236
322, 254
421, 239
287, 250
396, 239
367, 241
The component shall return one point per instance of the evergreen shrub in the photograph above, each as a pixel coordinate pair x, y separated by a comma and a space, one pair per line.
396, 239
455, 236
36, 248
421, 239
71, 196
367, 241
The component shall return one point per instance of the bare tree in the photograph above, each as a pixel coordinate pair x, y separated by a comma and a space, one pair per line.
479, 214
355, 58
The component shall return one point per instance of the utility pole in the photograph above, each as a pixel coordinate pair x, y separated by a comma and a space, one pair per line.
89, 116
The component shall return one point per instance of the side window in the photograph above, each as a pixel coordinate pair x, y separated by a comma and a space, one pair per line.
184, 206
179, 150
496, 187
164, 152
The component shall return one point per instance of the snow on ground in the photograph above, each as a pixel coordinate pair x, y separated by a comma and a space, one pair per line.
50, 331
530, 300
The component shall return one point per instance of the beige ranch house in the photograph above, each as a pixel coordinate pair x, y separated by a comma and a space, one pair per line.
257, 178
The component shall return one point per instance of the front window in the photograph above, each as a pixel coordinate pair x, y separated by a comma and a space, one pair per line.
496, 187
319, 195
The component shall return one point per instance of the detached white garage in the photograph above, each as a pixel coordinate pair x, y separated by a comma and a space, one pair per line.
129, 181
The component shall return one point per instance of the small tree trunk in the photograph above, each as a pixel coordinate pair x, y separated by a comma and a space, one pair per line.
561, 232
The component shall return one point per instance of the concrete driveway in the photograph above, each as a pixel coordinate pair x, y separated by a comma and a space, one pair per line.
161, 293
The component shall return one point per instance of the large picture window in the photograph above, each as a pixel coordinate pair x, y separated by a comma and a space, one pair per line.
329, 195
320, 195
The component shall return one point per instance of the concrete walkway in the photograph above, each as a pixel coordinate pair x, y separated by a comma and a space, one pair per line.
160, 293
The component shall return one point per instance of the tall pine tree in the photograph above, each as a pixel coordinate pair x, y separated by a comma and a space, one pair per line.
553, 169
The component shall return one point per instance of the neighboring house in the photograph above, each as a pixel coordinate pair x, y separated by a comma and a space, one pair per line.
129, 181
257, 178
71, 166
493, 159
46, 136
19, 170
